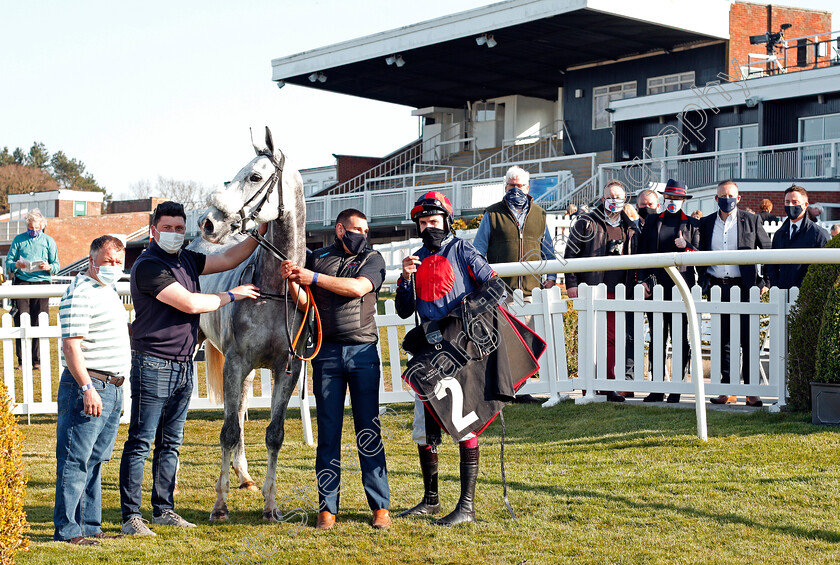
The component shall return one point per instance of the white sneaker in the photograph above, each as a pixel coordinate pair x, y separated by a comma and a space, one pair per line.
170, 518
136, 526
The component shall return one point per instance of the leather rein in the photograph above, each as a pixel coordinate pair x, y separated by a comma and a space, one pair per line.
272, 182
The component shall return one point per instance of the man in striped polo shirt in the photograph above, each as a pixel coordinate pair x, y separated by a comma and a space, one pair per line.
97, 358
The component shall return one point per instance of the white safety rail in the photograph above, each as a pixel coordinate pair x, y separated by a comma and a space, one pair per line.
395, 251
548, 308
768, 340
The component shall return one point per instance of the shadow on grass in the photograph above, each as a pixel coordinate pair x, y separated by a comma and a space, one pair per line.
728, 518
615, 424
40, 519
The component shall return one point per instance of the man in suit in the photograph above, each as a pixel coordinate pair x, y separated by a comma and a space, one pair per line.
728, 230
797, 232
672, 231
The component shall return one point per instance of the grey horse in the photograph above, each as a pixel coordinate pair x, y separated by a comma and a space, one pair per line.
252, 334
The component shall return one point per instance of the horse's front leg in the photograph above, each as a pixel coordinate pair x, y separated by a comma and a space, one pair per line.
240, 463
229, 437
280, 394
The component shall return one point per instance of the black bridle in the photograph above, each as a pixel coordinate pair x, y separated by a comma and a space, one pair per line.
272, 182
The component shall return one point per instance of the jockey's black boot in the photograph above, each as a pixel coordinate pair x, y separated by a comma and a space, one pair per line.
465, 509
429, 468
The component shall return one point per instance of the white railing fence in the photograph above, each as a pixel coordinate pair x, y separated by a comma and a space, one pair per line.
467, 197
547, 308
804, 160
395, 251
767, 346
767, 343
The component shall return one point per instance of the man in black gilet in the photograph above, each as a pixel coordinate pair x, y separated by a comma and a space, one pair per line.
345, 279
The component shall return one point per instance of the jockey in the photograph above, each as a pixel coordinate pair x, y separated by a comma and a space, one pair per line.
444, 270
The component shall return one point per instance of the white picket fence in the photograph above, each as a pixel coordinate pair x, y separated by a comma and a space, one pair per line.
47, 338
35, 393
768, 341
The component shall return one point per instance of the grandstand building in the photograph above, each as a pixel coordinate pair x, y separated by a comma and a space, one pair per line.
580, 91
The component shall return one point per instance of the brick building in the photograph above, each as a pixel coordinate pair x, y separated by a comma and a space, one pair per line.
75, 218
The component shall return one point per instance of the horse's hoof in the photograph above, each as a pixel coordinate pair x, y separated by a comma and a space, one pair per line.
220, 515
270, 516
249, 486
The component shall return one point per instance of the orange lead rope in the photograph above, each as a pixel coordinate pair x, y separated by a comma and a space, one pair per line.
309, 300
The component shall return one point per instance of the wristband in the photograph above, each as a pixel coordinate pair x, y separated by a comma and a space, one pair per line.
315, 279
87, 387
232, 297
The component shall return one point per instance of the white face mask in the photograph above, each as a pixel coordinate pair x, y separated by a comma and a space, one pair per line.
170, 241
673, 206
109, 274
613, 205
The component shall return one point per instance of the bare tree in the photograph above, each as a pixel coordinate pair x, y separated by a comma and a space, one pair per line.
189, 193
19, 179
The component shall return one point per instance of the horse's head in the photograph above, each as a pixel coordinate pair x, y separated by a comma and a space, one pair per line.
257, 194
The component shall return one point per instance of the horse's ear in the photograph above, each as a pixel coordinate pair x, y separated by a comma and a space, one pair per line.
269, 142
257, 150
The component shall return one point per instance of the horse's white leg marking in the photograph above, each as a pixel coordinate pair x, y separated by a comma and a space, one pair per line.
240, 463
220, 511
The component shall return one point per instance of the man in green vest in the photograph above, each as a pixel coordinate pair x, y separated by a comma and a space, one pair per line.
514, 230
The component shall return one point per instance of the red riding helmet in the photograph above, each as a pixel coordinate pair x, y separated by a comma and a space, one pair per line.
431, 204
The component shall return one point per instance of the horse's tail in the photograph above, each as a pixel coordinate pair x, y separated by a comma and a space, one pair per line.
214, 364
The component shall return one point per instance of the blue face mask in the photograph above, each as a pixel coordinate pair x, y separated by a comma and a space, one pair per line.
109, 274
34, 233
516, 198
726, 205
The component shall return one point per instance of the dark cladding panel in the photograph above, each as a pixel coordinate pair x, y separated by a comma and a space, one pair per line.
706, 62
781, 117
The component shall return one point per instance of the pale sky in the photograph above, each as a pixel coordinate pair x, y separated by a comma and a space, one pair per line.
137, 90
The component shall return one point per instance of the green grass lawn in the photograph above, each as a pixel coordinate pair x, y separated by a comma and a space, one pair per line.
600, 483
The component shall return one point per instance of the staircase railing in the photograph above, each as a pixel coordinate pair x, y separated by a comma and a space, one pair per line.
553, 198
544, 141
401, 161
585, 193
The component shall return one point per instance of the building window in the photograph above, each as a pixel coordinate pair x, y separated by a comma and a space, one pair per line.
819, 128
737, 137
670, 83
661, 146
485, 112
603, 95
79, 208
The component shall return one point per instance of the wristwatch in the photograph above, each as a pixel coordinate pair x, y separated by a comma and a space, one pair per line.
87, 387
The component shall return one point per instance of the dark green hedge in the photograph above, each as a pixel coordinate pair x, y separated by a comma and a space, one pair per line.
804, 330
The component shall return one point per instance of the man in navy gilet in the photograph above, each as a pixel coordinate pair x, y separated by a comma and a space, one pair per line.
167, 301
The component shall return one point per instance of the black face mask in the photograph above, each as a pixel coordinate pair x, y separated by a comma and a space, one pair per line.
645, 212
354, 241
793, 212
433, 238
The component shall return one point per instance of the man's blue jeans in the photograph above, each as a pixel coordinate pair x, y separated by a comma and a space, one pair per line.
335, 368
83, 443
160, 395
